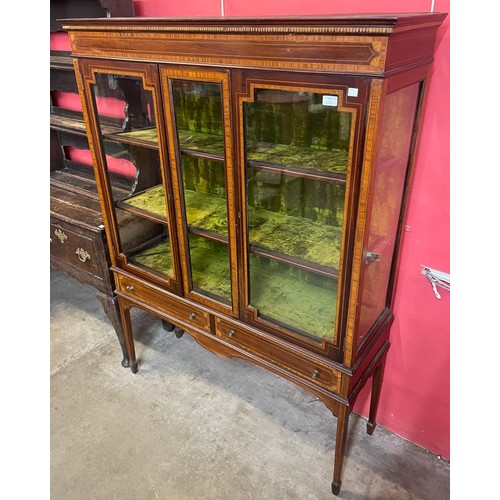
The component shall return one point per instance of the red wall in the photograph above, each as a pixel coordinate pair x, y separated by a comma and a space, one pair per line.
415, 399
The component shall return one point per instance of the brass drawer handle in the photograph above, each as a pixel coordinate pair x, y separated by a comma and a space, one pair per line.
62, 237
192, 316
130, 288
83, 255
231, 334
315, 374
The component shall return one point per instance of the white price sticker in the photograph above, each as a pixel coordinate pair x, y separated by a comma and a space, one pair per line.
330, 100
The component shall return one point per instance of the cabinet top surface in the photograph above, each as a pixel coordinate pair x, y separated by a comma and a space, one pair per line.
387, 22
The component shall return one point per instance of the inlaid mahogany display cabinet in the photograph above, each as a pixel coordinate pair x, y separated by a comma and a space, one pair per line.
253, 191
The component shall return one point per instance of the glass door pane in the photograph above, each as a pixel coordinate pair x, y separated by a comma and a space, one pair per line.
298, 147
131, 157
200, 121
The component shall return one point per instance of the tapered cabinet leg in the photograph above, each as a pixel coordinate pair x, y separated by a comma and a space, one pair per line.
178, 332
167, 326
376, 385
127, 333
341, 437
110, 306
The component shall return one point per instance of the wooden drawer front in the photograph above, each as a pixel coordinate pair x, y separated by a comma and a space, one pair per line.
170, 304
75, 249
308, 368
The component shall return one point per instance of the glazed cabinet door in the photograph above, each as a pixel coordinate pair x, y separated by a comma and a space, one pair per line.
199, 137
125, 114
299, 161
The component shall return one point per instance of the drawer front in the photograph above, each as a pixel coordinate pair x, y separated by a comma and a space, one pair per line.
298, 363
170, 304
75, 249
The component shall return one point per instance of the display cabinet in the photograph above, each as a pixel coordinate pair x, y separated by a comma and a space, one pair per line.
253, 175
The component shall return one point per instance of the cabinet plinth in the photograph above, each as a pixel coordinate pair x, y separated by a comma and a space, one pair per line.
253, 175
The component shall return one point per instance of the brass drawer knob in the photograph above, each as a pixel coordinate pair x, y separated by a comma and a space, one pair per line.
130, 288
62, 237
83, 255
315, 374
192, 316
231, 334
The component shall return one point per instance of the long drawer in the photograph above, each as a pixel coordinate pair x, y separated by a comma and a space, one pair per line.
300, 364
172, 305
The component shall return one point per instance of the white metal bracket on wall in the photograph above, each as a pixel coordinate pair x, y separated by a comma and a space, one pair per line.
437, 278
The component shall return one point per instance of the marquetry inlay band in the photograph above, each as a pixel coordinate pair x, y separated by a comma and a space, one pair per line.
373, 30
319, 52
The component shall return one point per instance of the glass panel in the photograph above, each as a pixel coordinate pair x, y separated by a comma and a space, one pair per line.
296, 216
205, 194
290, 296
132, 163
146, 243
389, 178
302, 129
210, 270
297, 154
151, 200
198, 115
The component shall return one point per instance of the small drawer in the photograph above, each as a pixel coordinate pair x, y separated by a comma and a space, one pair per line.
73, 248
172, 305
280, 354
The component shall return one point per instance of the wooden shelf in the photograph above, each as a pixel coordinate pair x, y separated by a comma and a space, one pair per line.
302, 240
277, 236
295, 157
294, 261
147, 137
294, 171
202, 154
154, 255
202, 142
149, 203
72, 125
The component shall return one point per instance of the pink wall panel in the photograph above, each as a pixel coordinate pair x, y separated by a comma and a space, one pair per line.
312, 7
60, 41
155, 8
415, 399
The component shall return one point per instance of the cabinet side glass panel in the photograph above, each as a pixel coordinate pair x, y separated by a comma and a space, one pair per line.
297, 157
390, 170
200, 140
129, 138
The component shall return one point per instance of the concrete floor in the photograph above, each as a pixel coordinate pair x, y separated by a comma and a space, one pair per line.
191, 425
